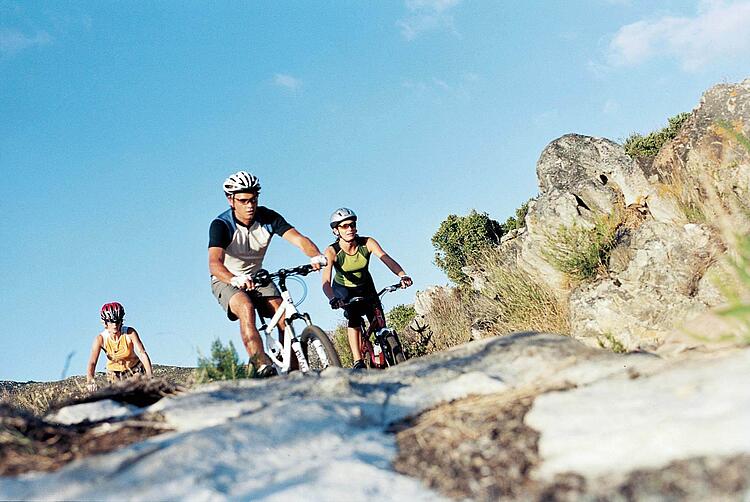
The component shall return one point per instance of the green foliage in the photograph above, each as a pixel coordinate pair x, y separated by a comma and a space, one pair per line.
460, 237
224, 364
608, 341
649, 145
517, 221
400, 316
581, 252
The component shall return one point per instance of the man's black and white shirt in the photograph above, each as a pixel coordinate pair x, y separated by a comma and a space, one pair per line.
245, 246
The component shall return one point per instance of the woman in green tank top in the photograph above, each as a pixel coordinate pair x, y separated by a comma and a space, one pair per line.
347, 276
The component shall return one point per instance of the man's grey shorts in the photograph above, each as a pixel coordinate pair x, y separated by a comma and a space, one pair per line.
223, 292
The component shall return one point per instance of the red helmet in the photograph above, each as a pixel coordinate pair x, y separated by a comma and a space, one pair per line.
113, 312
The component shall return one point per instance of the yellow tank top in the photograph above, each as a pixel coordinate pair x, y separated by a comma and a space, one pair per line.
120, 352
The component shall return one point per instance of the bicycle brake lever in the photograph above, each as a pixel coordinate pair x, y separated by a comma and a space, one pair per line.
261, 277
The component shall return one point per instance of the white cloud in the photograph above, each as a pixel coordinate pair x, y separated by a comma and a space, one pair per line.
287, 81
427, 15
14, 41
719, 29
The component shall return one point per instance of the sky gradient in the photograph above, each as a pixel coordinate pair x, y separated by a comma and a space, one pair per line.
121, 120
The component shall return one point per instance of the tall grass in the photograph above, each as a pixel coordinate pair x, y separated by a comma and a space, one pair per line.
511, 300
582, 252
449, 318
688, 194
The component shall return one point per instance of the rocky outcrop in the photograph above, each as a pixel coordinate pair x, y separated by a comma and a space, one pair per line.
656, 291
654, 280
704, 151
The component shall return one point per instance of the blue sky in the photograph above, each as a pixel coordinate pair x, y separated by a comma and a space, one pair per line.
121, 120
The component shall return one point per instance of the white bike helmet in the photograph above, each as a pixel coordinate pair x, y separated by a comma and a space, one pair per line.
342, 214
241, 182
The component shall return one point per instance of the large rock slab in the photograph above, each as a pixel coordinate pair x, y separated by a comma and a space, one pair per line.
698, 408
315, 437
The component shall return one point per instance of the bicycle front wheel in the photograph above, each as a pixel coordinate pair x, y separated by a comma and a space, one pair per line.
318, 348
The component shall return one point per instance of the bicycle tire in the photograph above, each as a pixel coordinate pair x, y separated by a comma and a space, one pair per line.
328, 357
394, 347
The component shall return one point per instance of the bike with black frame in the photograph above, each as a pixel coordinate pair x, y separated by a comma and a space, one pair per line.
313, 349
379, 344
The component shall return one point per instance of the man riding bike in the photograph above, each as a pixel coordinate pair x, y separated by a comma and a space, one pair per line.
126, 355
349, 256
238, 240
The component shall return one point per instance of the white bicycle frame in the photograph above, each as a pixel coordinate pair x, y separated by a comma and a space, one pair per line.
274, 349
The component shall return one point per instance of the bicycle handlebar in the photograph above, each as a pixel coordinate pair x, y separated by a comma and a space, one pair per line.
387, 289
263, 277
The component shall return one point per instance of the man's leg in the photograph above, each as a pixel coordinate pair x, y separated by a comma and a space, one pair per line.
242, 307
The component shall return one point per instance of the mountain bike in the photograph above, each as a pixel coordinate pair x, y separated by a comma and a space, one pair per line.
379, 345
313, 349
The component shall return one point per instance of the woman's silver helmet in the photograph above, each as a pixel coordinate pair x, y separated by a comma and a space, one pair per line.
342, 214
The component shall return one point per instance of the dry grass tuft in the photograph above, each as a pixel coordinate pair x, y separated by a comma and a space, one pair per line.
511, 300
449, 318
476, 448
29, 443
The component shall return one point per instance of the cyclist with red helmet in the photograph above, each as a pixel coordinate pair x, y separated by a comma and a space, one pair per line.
349, 258
126, 355
238, 240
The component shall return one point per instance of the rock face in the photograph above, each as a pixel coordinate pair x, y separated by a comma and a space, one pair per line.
655, 278
704, 151
602, 419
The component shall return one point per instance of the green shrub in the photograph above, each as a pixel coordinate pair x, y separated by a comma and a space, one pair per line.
580, 252
648, 146
400, 316
517, 221
460, 237
513, 301
224, 364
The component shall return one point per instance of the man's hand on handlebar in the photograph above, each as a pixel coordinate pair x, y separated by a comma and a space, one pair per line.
242, 282
406, 281
318, 261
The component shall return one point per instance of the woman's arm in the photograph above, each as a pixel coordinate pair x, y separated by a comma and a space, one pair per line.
393, 266
96, 347
141, 351
327, 273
